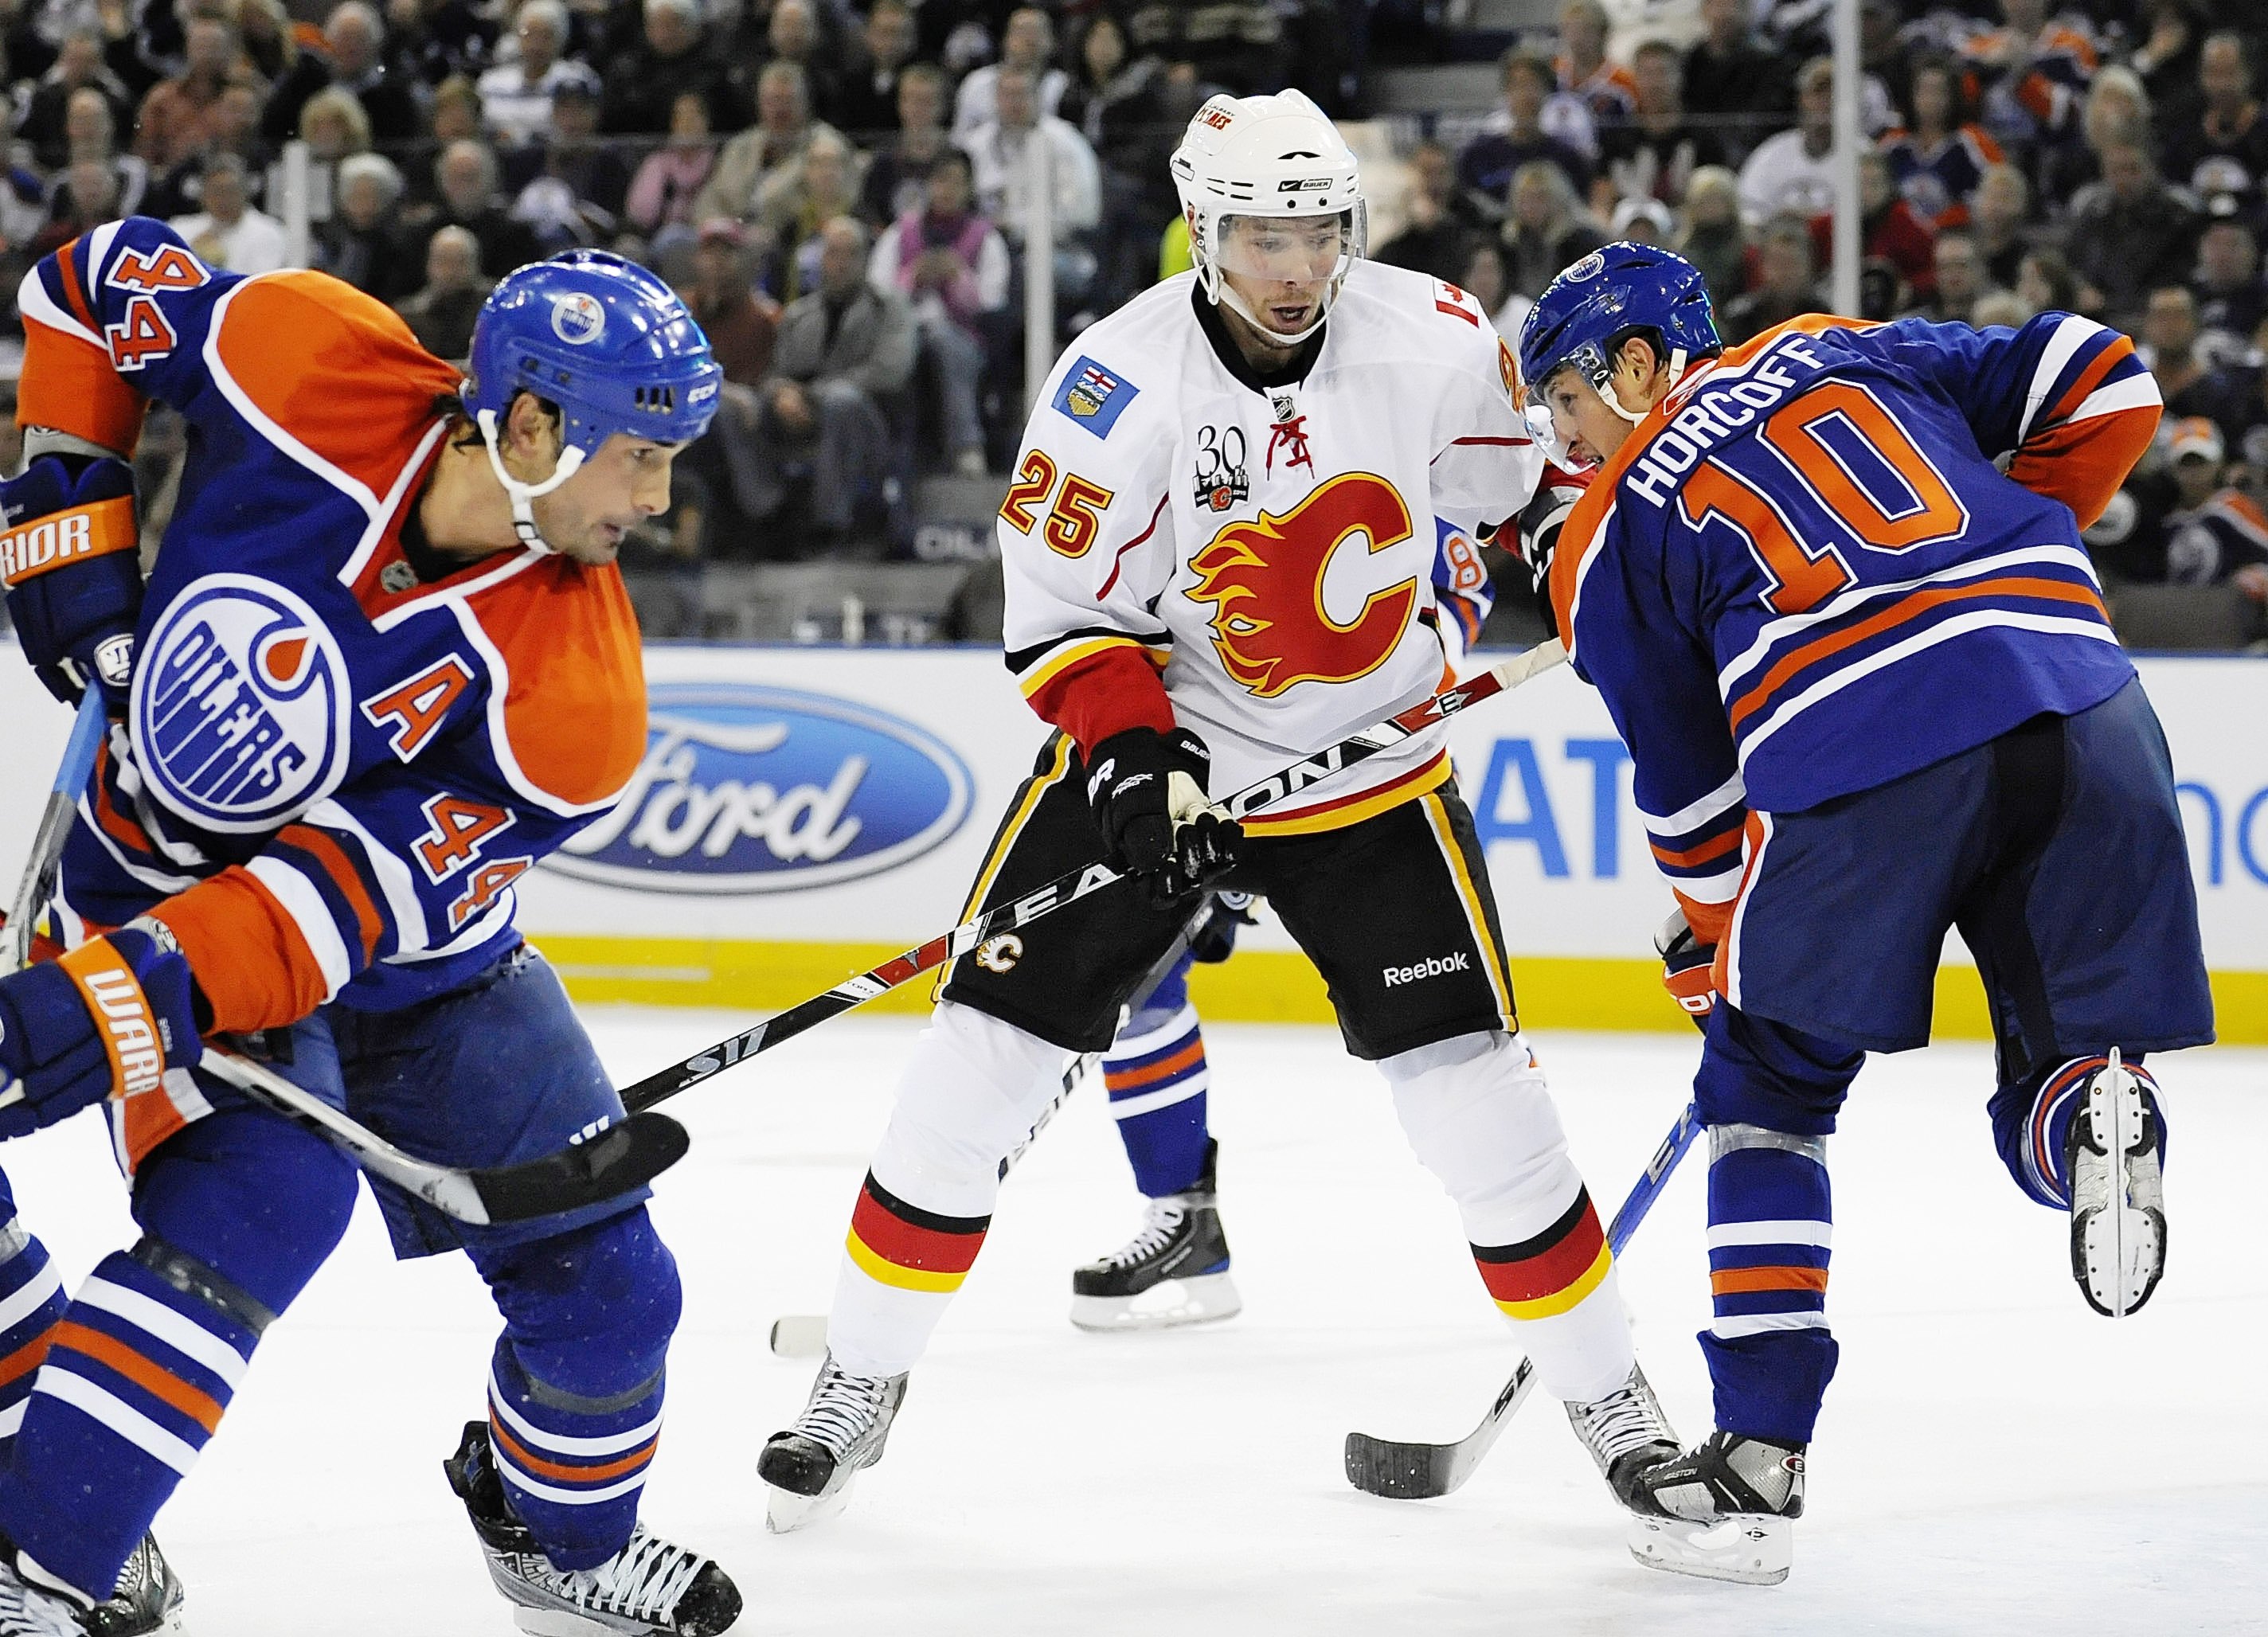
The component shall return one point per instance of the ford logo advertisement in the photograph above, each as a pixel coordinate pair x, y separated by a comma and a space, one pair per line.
760, 790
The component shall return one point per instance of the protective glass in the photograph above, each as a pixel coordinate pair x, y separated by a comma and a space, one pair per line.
1275, 249
1554, 433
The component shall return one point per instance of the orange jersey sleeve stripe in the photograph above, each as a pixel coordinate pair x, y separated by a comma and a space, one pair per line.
250, 958
370, 925
2088, 379
2083, 463
71, 387
1715, 847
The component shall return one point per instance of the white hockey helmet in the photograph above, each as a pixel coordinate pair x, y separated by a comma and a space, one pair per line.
1276, 156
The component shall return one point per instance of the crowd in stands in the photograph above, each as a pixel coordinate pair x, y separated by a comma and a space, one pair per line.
842, 188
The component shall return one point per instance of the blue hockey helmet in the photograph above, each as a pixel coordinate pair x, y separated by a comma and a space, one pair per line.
603, 339
1617, 290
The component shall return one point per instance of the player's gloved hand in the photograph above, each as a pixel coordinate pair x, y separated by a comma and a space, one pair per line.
106, 1020
69, 555
1214, 941
1536, 540
1148, 793
1686, 966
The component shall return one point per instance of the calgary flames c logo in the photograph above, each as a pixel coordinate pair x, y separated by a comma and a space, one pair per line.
1265, 581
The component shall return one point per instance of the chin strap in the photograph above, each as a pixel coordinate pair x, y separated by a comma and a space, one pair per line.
1224, 296
523, 496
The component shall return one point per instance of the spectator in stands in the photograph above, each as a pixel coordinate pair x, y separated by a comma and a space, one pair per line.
1962, 281
351, 58
2215, 535
1482, 278
2034, 72
1796, 170
441, 314
359, 244
1712, 235
756, 160
2118, 109
846, 353
576, 197
1584, 69
951, 265
1939, 157
332, 125
516, 96
430, 41
2128, 234
1544, 229
997, 151
236, 129
1890, 232
1787, 283
1118, 104
1655, 152
740, 320
263, 30
1485, 169
465, 179
1733, 78
1643, 220
793, 35
2230, 297
1999, 215
898, 170
86, 197
2166, 59
670, 178
1027, 45
2222, 146
92, 138
179, 116
1434, 239
2186, 382
811, 193
456, 112
866, 103
78, 66
675, 53
229, 232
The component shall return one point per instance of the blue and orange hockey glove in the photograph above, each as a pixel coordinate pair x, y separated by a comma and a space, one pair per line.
70, 556
1687, 966
107, 1020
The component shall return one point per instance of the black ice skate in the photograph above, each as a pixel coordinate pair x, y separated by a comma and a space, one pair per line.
648, 1589
1626, 1433
34, 1604
2117, 1197
148, 1600
1174, 1272
1723, 1512
844, 1424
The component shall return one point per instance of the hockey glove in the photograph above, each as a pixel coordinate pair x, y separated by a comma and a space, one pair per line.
1147, 790
1536, 539
105, 1021
1687, 966
1214, 941
74, 576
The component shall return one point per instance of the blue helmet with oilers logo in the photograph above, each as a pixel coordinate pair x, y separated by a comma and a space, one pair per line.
1621, 289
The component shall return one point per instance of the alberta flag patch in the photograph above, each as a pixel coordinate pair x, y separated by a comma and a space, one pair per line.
1092, 397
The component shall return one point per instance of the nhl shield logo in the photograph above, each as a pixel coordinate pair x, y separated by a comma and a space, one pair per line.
239, 718
578, 319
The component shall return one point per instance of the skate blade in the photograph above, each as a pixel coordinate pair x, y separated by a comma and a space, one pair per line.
2118, 1251
1170, 1302
1749, 1548
800, 1336
785, 1512
559, 1623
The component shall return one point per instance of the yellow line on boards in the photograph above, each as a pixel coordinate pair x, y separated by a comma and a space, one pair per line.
1254, 986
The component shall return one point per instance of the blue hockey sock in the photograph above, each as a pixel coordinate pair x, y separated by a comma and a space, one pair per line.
1156, 1075
2031, 1118
32, 1300
575, 1384
1771, 1355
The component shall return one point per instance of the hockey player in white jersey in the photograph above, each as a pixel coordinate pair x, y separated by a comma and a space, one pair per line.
1218, 549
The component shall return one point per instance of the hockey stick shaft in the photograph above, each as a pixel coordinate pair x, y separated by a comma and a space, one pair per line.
38, 884
1074, 885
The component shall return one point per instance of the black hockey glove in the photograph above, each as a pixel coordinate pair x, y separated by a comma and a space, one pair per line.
1147, 789
74, 577
1537, 538
1687, 967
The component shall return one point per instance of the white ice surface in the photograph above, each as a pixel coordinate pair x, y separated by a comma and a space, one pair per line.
1993, 1458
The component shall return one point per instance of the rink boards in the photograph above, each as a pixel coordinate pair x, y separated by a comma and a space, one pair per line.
804, 812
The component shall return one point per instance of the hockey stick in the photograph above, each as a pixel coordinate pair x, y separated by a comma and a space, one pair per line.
1074, 885
588, 1171
1420, 1471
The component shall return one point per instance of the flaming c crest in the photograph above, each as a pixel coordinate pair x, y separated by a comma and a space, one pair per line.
1264, 579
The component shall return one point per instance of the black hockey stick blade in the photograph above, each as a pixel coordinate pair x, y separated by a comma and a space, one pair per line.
1424, 1471
617, 1161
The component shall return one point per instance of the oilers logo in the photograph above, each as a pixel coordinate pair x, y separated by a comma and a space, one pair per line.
578, 319
240, 706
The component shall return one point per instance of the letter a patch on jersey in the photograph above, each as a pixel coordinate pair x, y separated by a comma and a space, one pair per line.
1092, 397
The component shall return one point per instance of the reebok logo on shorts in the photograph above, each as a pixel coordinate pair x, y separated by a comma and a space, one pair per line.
1432, 966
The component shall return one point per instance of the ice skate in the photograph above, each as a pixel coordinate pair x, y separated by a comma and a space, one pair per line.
1174, 1272
28, 1607
2117, 1196
810, 1466
1723, 1512
650, 1589
148, 1600
1626, 1433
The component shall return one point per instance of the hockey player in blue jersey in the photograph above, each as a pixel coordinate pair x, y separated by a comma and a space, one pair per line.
383, 664
1831, 587
1176, 1270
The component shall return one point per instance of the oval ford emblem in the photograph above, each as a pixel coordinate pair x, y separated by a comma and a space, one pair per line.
761, 789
